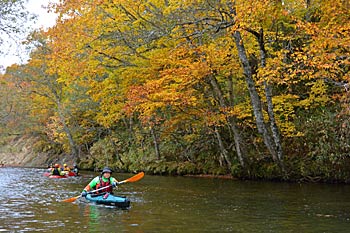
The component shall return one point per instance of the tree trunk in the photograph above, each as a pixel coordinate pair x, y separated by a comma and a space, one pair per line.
224, 158
268, 95
73, 146
155, 142
255, 100
230, 120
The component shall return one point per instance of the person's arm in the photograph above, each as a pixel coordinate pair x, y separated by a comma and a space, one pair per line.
61, 172
92, 184
114, 181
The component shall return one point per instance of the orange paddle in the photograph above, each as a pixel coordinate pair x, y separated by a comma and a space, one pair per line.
134, 178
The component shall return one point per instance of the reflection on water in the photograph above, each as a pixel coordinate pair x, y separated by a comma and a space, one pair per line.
31, 202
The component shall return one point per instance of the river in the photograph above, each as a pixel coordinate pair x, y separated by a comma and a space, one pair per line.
31, 202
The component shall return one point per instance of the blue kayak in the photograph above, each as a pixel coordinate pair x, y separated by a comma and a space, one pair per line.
109, 199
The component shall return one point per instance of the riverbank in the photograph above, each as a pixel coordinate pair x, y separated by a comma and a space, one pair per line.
227, 177
23, 152
19, 152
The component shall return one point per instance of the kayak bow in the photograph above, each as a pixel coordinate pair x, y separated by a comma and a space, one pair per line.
109, 199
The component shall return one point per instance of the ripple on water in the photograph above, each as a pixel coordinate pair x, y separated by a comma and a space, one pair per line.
30, 202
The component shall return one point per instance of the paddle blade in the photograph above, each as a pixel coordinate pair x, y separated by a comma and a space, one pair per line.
72, 199
135, 178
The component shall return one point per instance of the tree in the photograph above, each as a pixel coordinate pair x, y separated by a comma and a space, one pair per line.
13, 24
222, 80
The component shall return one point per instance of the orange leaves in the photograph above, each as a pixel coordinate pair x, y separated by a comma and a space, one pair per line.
159, 59
169, 86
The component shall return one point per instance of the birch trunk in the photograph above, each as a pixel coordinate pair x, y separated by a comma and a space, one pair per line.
155, 143
255, 100
224, 160
268, 95
231, 122
66, 129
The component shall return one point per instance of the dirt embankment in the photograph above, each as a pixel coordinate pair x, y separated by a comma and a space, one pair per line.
19, 152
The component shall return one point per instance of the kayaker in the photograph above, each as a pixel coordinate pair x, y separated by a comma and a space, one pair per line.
103, 180
76, 169
66, 168
57, 170
49, 167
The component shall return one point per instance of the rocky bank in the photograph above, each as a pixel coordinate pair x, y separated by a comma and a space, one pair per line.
19, 152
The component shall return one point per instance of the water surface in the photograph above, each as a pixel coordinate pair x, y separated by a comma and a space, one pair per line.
31, 202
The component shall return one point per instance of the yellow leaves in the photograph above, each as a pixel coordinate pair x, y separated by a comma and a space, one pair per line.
284, 109
154, 58
263, 13
317, 96
54, 130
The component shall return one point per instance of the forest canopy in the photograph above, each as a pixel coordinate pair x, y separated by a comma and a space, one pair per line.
256, 89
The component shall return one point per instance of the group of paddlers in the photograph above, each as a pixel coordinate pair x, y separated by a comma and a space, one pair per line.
57, 170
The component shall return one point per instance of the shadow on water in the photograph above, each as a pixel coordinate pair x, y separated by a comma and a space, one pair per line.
31, 202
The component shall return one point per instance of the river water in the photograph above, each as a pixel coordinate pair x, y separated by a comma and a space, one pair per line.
31, 202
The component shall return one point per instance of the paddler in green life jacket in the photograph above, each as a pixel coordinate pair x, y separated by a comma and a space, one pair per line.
103, 180
57, 170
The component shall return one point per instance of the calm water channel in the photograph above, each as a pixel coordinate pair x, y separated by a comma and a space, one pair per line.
31, 202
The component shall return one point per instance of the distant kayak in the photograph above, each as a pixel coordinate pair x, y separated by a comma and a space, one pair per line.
68, 174
109, 199
47, 173
57, 176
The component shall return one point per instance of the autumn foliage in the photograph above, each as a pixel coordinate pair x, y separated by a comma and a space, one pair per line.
257, 88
